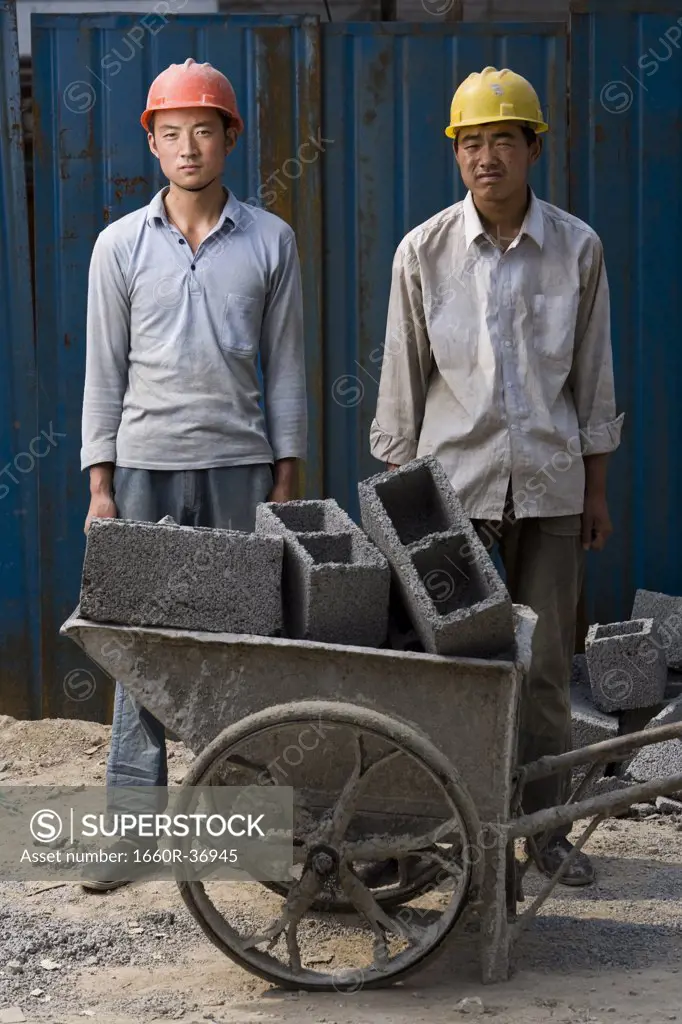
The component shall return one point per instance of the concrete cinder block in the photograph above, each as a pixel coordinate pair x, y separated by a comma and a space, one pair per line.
336, 583
456, 599
666, 611
659, 759
627, 667
182, 577
589, 724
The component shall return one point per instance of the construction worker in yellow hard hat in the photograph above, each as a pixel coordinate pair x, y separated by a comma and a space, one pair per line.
496, 123
498, 361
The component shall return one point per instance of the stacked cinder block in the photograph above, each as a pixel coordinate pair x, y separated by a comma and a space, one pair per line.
589, 724
181, 577
666, 611
659, 759
335, 582
627, 666
456, 599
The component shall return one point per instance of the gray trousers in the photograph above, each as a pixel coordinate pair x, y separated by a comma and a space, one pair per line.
224, 498
543, 561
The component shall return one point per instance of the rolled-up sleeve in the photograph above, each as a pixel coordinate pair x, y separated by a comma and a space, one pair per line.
405, 368
106, 358
282, 352
591, 379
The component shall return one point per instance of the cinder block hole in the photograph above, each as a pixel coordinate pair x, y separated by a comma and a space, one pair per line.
308, 518
615, 629
450, 575
331, 547
414, 505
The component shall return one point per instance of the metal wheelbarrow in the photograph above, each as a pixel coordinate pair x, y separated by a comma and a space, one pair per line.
408, 757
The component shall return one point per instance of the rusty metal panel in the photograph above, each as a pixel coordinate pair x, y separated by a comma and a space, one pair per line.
22, 448
626, 163
386, 97
92, 166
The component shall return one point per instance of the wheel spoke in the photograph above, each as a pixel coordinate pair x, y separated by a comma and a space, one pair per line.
362, 770
301, 896
368, 908
396, 847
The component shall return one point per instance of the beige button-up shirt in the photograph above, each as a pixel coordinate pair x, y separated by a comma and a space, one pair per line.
499, 363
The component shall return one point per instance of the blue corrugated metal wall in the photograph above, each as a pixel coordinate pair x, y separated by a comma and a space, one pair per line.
376, 97
625, 172
387, 89
22, 448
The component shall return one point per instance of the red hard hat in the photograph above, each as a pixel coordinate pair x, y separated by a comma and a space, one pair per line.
191, 85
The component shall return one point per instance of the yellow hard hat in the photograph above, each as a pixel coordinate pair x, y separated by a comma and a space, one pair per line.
492, 95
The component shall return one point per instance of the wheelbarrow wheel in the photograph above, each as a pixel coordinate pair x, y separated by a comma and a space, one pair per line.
417, 881
278, 936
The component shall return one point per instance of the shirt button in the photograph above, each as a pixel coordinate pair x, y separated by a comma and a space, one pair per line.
507, 344
181, 241
193, 267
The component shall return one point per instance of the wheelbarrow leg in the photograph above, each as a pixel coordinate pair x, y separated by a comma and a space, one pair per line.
495, 935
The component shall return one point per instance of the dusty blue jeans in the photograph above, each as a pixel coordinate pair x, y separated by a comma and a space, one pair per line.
224, 498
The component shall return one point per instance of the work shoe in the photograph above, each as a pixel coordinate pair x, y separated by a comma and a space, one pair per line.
113, 875
554, 853
381, 874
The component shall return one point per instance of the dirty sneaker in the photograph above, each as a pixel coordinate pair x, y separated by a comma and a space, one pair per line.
112, 875
552, 856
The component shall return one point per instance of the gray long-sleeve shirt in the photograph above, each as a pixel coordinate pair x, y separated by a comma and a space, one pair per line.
173, 340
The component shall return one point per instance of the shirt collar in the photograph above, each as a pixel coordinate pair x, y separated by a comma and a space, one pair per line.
533, 223
231, 210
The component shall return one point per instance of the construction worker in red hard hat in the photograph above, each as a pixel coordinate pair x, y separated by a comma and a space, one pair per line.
498, 361
186, 296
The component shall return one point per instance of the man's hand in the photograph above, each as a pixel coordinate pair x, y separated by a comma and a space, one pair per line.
285, 481
597, 526
102, 506
101, 493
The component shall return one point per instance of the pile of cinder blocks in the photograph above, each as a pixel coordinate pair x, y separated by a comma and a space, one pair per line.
308, 572
628, 680
456, 599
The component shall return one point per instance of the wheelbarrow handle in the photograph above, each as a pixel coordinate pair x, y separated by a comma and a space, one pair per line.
607, 804
618, 749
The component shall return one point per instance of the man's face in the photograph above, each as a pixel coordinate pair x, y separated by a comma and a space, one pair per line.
191, 145
494, 159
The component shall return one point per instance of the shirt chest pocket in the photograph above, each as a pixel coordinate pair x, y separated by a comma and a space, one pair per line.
554, 322
241, 324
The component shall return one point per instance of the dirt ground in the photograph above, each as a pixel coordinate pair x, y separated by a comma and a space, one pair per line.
612, 952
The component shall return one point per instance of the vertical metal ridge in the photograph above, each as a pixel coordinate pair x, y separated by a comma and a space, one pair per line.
19, 570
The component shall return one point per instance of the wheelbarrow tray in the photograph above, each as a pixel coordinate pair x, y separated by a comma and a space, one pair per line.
198, 683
